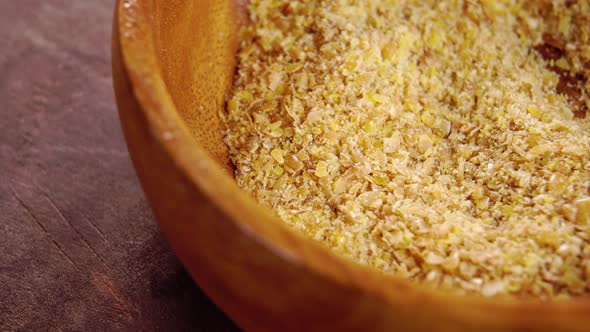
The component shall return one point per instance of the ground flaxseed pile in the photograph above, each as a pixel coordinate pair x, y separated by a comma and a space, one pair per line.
443, 141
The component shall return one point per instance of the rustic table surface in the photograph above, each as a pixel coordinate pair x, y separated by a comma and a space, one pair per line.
79, 248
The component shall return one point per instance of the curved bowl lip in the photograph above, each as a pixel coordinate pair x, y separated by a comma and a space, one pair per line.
135, 37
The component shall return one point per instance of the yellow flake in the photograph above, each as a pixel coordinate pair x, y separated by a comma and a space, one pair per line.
321, 169
277, 155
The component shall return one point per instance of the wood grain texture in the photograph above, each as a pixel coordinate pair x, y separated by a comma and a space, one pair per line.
264, 275
79, 250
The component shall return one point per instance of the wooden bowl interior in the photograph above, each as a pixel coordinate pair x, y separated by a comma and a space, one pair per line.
197, 59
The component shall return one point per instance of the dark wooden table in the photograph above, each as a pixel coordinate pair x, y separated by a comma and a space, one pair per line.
79, 248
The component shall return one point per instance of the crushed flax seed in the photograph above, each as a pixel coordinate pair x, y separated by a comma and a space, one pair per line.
446, 142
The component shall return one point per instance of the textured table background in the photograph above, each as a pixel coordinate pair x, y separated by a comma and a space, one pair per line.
79, 249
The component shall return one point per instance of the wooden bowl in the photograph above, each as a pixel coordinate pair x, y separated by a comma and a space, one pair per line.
173, 62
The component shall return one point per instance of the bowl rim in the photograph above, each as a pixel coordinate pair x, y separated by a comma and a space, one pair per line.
135, 37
